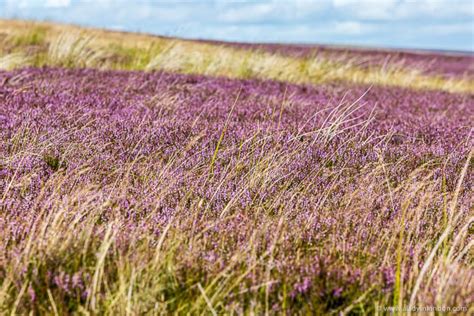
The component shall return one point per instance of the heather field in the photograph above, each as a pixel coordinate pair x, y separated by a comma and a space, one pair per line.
169, 180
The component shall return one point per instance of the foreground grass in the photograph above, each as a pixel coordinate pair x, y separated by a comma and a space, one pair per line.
155, 193
40, 44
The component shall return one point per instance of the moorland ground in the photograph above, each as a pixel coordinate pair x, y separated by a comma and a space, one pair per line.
141, 174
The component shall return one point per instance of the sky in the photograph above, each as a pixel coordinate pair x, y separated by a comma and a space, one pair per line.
422, 24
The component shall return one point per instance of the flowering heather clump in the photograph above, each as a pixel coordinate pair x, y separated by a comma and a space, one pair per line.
133, 192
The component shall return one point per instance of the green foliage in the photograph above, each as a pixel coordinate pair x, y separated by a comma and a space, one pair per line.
54, 162
35, 36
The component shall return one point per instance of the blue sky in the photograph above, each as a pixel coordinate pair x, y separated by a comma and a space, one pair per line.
427, 24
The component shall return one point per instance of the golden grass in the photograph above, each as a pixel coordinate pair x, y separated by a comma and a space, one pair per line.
13, 60
143, 274
74, 49
71, 46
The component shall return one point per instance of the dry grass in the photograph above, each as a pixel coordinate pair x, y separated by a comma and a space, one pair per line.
74, 50
145, 275
13, 60
74, 47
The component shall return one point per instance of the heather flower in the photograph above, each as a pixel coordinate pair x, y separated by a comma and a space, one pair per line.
388, 275
337, 292
31, 293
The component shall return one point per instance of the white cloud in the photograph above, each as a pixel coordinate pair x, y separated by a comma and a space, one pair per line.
57, 3
404, 9
435, 9
247, 13
31, 4
352, 28
22, 4
271, 10
371, 9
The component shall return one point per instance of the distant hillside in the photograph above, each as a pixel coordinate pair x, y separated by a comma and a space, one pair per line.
39, 44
